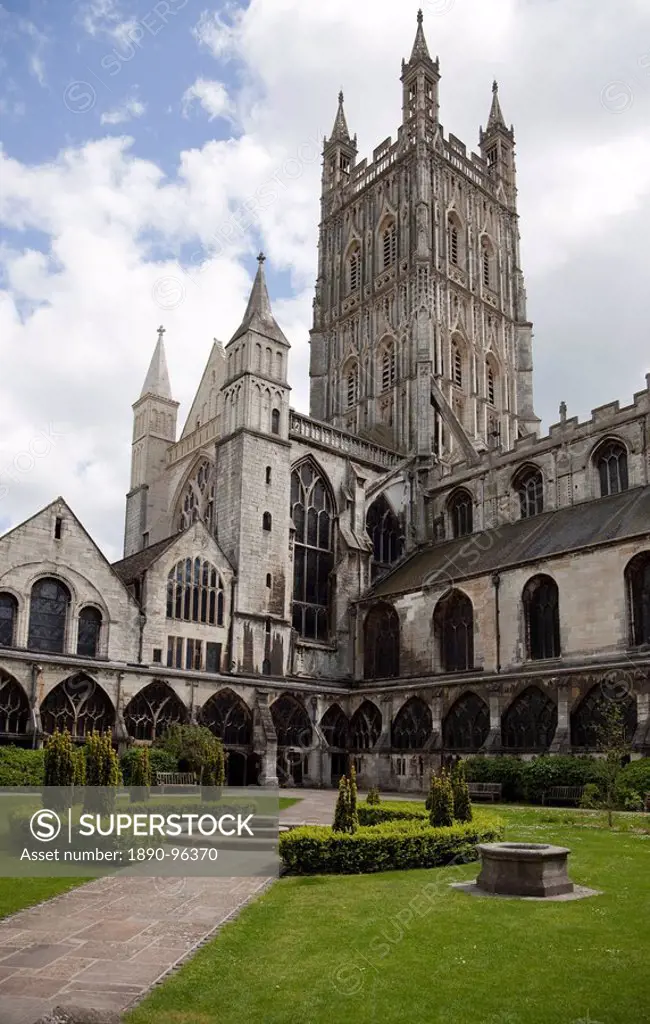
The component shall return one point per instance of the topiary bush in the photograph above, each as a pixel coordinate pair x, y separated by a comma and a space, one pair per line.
102, 770
462, 802
373, 796
20, 767
344, 819
159, 761
140, 775
397, 810
441, 813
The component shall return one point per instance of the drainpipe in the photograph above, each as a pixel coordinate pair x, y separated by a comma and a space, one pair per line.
496, 583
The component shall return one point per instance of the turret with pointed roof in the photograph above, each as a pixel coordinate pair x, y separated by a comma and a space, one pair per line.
420, 78
157, 380
258, 317
339, 151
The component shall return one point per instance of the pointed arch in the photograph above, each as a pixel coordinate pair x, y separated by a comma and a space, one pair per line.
386, 363
89, 631
542, 617
195, 592
313, 516
458, 372
8, 618
194, 500
49, 611
460, 507
335, 726
453, 623
455, 246
383, 528
78, 704
488, 270
152, 710
528, 484
492, 381
365, 726
387, 241
412, 726
467, 724
227, 715
529, 723
381, 642
637, 584
14, 707
610, 462
589, 719
291, 722
353, 266
351, 382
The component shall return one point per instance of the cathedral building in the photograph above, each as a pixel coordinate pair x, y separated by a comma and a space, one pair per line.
407, 573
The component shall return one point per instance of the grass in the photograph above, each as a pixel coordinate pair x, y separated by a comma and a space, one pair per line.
404, 946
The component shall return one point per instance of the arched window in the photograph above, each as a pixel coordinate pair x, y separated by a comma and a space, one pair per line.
90, 627
197, 501
354, 269
383, 528
152, 711
229, 718
48, 616
352, 384
456, 365
381, 643
489, 383
589, 721
79, 705
637, 579
291, 722
195, 592
530, 722
412, 726
542, 618
467, 724
389, 244
8, 617
454, 626
453, 240
268, 474
267, 522
365, 726
312, 514
388, 366
487, 260
14, 707
529, 486
461, 513
334, 726
275, 421
611, 463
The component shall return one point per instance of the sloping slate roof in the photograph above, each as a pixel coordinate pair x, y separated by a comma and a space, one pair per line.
527, 540
131, 568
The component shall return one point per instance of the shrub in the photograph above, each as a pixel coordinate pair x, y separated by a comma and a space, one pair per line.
59, 760
140, 774
591, 796
507, 770
373, 797
462, 802
159, 761
398, 810
561, 770
195, 749
102, 770
636, 775
352, 785
442, 801
344, 820
315, 849
20, 767
79, 757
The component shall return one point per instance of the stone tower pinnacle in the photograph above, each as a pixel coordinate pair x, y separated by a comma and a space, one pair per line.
420, 52
259, 316
340, 131
495, 120
157, 380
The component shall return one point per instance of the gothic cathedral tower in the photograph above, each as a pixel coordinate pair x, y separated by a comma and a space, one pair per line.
420, 338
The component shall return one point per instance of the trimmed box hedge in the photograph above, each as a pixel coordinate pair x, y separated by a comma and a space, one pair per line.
397, 810
21, 767
390, 846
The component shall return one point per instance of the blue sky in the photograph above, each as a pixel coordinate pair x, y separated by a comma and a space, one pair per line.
135, 135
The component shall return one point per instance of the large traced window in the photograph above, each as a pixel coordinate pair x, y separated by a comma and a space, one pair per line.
456, 365
591, 721
8, 616
195, 592
79, 705
14, 707
387, 365
90, 627
334, 726
529, 723
291, 721
611, 463
467, 724
637, 579
229, 718
389, 244
354, 268
454, 240
542, 618
152, 711
48, 616
386, 535
312, 514
381, 642
453, 622
352, 384
412, 726
529, 487
461, 513
365, 726
197, 502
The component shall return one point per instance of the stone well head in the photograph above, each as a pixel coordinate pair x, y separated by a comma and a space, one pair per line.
524, 869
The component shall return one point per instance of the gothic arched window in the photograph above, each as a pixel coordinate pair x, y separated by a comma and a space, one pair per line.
229, 718
195, 593
79, 705
529, 486
387, 363
197, 501
14, 707
389, 244
152, 711
637, 578
352, 384
383, 528
467, 724
589, 721
381, 641
461, 513
456, 365
454, 626
291, 721
454, 240
312, 513
354, 269
48, 616
334, 726
542, 615
611, 463
275, 421
8, 617
487, 260
490, 389
530, 721
90, 627
365, 726
412, 726
267, 522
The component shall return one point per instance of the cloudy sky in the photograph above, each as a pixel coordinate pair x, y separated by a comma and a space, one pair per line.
136, 137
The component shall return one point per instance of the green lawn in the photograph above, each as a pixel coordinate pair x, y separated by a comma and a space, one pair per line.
404, 947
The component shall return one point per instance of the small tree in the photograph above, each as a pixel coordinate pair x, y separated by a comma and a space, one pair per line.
196, 750
373, 797
354, 814
612, 741
102, 773
344, 821
442, 801
59, 769
79, 767
460, 789
140, 774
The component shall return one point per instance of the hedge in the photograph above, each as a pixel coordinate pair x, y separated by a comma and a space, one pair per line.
527, 780
397, 810
21, 767
160, 761
636, 775
393, 845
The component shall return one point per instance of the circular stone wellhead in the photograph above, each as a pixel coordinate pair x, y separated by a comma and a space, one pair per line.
524, 869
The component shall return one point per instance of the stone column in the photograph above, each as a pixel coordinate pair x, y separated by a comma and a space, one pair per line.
561, 742
494, 742
641, 740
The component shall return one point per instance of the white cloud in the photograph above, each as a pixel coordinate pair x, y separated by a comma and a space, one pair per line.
211, 95
130, 109
218, 36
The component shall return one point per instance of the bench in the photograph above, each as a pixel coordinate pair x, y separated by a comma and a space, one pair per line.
563, 794
175, 779
485, 790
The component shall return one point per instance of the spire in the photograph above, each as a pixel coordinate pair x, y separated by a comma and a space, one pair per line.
259, 316
157, 380
495, 120
420, 51
340, 131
